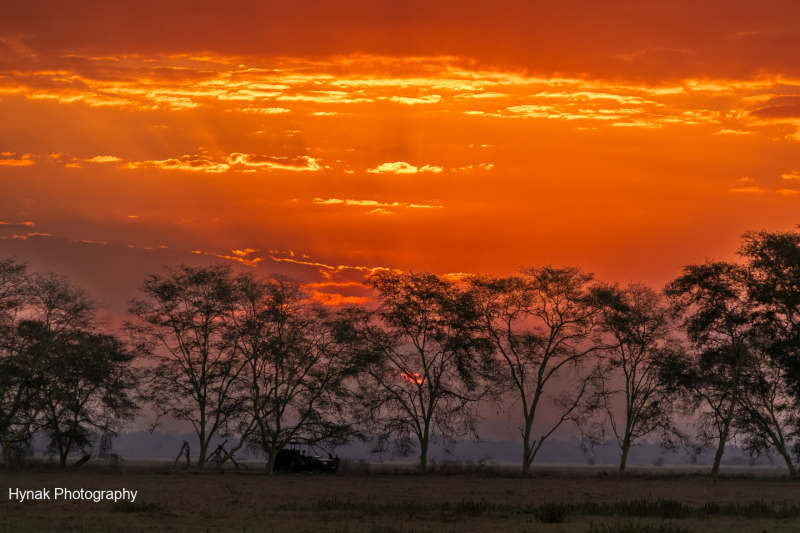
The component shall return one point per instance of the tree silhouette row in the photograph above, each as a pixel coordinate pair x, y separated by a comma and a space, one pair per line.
256, 359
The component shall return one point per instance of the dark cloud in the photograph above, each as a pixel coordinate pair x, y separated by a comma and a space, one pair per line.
780, 107
615, 38
113, 273
16, 226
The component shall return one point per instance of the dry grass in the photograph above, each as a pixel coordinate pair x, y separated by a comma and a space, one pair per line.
365, 501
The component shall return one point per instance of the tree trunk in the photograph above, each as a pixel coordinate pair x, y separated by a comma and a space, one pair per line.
6, 462
527, 447
720, 451
527, 460
271, 456
201, 461
626, 447
788, 459
423, 456
723, 438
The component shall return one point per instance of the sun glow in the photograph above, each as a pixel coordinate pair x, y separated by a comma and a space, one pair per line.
412, 377
397, 147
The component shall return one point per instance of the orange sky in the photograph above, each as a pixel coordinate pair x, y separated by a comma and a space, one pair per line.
325, 139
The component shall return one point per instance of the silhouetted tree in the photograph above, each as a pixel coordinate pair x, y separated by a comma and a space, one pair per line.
767, 416
183, 326
773, 399
422, 362
87, 392
719, 319
773, 261
38, 310
542, 328
632, 391
296, 367
15, 401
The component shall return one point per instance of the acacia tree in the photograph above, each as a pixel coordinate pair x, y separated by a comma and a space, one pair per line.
421, 361
183, 328
86, 394
766, 417
542, 329
14, 405
719, 319
295, 366
35, 312
638, 345
773, 261
772, 392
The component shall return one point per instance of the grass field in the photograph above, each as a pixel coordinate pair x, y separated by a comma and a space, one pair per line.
356, 500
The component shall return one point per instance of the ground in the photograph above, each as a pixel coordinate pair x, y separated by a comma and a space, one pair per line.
462, 501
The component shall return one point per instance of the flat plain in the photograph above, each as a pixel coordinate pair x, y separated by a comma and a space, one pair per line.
462, 501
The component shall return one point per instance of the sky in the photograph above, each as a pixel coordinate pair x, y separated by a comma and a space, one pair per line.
329, 139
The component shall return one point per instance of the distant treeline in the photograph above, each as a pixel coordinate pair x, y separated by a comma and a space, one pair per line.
257, 361
163, 446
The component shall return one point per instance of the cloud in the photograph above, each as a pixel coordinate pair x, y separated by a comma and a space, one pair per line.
780, 107
332, 201
795, 175
482, 95
297, 164
104, 159
187, 162
264, 110
175, 102
733, 132
249, 262
329, 97
481, 166
788, 192
637, 124
534, 111
166, 83
373, 203
24, 161
401, 167
18, 225
335, 284
327, 270
394, 168
337, 299
249, 95
432, 99
242, 253
67, 96
750, 190
584, 95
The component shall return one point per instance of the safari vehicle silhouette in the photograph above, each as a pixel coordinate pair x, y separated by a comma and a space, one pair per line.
294, 459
